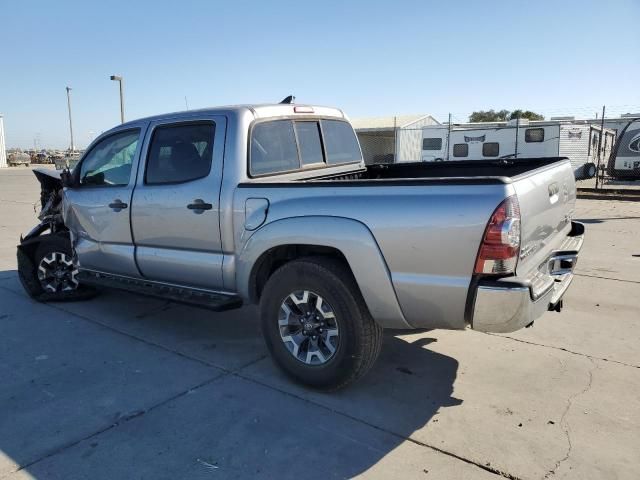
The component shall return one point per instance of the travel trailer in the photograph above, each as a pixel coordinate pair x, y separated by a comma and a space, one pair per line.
578, 141
625, 158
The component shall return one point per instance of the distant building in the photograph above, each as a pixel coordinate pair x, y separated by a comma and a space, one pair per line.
3, 151
391, 139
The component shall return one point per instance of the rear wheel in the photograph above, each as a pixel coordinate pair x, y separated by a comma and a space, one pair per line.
589, 170
316, 324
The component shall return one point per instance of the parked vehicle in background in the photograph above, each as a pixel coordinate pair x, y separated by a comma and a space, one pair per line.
624, 161
273, 205
578, 141
15, 159
68, 160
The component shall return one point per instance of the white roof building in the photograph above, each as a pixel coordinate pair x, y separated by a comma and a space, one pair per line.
391, 122
392, 138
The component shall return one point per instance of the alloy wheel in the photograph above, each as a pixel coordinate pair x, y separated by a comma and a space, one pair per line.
57, 273
308, 327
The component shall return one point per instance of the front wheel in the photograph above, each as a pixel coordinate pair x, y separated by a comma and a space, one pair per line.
316, 324
48, 274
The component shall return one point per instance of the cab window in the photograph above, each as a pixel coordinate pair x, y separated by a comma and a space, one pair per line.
280, 146
340, 142
109, 161
309, 143
273, 148
180, 153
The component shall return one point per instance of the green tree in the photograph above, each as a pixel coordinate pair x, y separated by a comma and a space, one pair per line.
503, 115
528, 114
489, 116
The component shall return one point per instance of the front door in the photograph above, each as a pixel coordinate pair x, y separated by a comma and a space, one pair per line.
176, 211
97, 210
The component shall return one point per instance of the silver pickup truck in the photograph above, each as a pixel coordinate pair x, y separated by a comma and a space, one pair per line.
273, 205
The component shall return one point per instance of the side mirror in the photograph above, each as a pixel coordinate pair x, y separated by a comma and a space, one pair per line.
67, 178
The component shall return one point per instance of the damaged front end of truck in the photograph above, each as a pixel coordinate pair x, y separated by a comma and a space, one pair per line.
46, 266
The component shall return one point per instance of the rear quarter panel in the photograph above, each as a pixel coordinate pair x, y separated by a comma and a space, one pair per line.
428, 234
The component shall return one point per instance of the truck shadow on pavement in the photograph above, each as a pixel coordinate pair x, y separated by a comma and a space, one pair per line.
217, 405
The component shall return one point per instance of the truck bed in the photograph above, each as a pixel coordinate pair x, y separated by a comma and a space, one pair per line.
492, 171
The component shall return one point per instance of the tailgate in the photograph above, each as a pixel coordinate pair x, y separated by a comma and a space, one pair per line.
547, 198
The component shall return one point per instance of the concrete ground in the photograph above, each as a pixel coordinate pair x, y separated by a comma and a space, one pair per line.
611, 184
130, 387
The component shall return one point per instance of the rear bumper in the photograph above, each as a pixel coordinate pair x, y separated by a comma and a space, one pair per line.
508, 304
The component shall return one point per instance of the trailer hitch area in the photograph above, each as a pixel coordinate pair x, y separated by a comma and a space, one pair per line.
557, 307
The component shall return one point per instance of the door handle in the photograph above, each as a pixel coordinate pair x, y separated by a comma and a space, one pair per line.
117, 205
199, 206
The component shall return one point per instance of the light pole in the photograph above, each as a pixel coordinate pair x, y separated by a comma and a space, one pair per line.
73, 148
118, 78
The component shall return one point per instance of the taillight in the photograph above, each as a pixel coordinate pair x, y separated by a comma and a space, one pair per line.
498, 252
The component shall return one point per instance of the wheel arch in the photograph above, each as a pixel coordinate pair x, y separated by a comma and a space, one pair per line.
35, 237
342, 239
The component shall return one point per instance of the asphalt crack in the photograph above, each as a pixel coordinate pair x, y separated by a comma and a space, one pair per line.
562, 349
237, 373
605, 278
564, 423
122, 420
484, 466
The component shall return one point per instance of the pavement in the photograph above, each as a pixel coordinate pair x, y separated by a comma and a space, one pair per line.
123, 386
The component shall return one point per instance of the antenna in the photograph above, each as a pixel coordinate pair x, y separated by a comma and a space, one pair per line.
289, 99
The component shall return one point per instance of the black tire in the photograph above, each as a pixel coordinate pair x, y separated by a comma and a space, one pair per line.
28, 261
360, 337
589, 170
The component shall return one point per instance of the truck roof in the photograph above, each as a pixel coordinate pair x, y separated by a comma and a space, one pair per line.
258, 110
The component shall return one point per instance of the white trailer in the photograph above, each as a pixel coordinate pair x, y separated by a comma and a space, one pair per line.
579, 141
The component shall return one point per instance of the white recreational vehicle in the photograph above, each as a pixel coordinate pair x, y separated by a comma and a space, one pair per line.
579, 141
625, 159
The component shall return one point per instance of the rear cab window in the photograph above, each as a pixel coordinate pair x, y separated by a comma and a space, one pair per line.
284, 146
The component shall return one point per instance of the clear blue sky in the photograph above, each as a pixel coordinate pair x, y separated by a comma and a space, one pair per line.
368, 57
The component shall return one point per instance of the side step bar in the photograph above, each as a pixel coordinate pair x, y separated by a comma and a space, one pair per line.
199, 298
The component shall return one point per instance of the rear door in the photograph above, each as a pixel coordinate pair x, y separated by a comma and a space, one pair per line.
176, 210
97, 210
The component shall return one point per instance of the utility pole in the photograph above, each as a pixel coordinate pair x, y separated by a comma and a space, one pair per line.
600, 146
118, 78
73, 148
515, 156
448, 136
